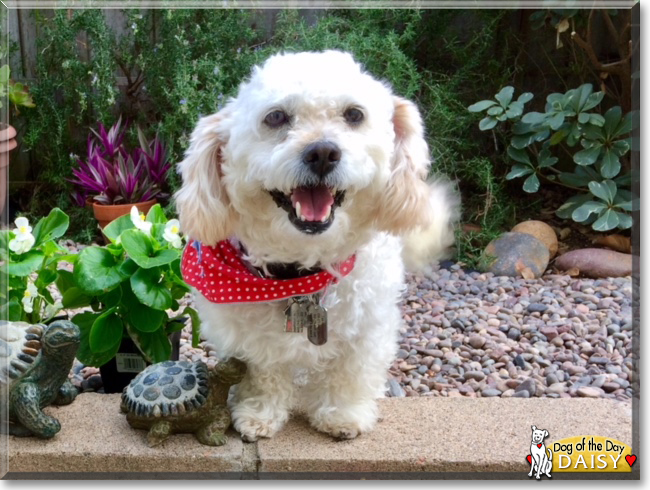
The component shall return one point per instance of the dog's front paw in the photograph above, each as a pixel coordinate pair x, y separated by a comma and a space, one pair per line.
251, 429
252, 425
345, 423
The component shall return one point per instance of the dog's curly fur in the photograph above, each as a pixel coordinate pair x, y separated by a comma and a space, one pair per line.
236, 160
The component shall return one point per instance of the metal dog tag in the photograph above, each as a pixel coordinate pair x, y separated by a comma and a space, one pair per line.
317, 332
296, 314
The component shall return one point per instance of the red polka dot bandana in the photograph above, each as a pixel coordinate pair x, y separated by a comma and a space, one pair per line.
220, 274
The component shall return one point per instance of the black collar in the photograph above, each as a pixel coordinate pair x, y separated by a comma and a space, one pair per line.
279, 270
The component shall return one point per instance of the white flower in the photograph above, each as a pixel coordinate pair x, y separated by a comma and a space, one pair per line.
51, 310
24, 239
172, 228
140, 220
28, 297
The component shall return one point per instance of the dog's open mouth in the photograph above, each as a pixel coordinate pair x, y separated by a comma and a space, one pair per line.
310, 208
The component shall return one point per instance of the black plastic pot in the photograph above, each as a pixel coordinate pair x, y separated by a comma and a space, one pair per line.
128, 362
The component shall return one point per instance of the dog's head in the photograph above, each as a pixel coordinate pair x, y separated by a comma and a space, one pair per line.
539, 435
310, 156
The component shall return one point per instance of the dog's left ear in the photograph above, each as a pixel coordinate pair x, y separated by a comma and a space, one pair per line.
405, 205
545, 433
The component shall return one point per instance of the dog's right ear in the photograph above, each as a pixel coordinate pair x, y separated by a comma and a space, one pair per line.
202, 202
534, 428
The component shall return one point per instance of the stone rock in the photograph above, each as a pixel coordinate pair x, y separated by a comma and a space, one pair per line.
590, 392
528, 385
596, 262
395, 389
511, 253
540, 230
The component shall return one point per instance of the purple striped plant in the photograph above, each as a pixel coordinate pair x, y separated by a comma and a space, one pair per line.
113, 175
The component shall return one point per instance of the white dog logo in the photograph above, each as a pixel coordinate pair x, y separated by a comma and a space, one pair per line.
540, 461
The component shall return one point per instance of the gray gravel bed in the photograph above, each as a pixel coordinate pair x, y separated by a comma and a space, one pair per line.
477, 335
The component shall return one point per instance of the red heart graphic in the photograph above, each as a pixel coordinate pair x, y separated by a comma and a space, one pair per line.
530, 460
539, 445
630, 458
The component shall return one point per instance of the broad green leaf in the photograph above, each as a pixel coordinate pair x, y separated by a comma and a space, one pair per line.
28, 263
534, 118
624, 220
582, 212
115, 228
87, 357
587, 156
495, 111
596, 120
139, 316
629, 122
481, 106
514, 110
504, 97
128, 268
97, 270
621, 147
74, 297
53, 226
146, 319
5, 72
574, 179
571, 204
607, 221
519, 155
147, 288
518, 171
558, 137
555, 121
106, 332
610, 165
592, 101
65, 280
139, 247
111, 299
547, 162
583, 118
11, 310
612, 121
156, 215
487, 123
155, 346
45, 278
605, 190
5, 237
531, 184
525, 97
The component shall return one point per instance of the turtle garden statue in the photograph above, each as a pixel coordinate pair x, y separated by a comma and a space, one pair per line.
34, 364
182, 397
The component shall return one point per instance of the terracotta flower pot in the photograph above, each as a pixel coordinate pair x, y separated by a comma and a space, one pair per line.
7, 143
105, 213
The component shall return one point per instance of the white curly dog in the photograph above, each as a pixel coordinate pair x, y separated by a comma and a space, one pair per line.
313, 164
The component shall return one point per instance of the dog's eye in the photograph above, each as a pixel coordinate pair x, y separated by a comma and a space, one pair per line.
353, 115
276, 119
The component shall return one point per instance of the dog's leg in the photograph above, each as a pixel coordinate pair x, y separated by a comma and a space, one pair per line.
261, 404
341, 400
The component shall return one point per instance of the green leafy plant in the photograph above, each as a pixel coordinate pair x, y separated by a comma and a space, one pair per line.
134, 285
538, 140
30, 258
18, 93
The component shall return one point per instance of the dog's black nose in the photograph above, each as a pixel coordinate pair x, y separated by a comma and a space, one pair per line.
321, 157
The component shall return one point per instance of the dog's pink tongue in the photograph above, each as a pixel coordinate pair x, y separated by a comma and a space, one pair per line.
314, 202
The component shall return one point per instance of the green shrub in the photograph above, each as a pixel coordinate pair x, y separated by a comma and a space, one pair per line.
538, 141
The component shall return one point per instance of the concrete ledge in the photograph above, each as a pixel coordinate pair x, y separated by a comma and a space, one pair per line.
415, 435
